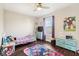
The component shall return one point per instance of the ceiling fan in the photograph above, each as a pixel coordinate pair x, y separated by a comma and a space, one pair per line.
40, 6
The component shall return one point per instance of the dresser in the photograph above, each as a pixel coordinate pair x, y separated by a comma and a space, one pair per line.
69, 44
39, 35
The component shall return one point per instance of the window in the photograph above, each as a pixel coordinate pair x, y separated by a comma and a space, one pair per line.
48, 26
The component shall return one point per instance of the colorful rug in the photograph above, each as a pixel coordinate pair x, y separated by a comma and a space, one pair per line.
40, 50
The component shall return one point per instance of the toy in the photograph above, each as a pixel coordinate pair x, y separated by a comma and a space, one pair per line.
7, 46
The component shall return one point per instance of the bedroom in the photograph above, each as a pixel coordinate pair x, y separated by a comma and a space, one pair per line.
20, 22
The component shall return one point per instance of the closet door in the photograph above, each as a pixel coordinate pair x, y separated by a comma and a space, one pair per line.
49, 28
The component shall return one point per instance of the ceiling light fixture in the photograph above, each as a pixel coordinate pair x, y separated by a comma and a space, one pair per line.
39, 8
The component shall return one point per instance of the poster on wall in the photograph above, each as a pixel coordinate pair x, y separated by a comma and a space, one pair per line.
70, 24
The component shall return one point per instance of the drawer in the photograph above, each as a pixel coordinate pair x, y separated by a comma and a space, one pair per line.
60, 44
72, 43
67, 47
70, 47
60, 40
73, 48
57, 42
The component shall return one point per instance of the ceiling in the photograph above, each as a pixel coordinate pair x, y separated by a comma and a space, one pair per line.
28, 8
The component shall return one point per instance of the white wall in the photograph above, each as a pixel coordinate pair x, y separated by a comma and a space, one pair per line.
1, 24
72, 10
18, 24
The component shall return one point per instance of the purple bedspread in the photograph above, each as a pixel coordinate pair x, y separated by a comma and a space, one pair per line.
24, 40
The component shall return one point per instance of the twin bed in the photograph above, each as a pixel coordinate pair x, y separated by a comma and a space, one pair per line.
9, 43
25, 39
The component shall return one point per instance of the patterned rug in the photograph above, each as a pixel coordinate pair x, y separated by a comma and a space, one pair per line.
40, 50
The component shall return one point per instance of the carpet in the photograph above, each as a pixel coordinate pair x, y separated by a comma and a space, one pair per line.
40, 50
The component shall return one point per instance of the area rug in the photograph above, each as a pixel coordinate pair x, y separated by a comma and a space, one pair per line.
40, 50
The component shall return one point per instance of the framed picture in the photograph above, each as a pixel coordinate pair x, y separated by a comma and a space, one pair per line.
70, 24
